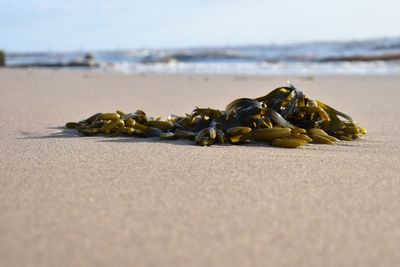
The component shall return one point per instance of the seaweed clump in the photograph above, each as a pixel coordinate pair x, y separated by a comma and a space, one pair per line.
284, 118
2, 59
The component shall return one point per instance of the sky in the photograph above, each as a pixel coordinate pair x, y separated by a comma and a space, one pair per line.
68, 25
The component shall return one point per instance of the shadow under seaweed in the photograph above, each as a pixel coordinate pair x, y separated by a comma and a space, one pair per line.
71, 133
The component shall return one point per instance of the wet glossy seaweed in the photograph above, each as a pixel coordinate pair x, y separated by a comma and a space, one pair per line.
284, 118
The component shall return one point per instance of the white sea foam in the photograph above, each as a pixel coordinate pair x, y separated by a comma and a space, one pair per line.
294, 68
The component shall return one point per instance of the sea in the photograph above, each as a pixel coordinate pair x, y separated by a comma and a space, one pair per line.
359, 57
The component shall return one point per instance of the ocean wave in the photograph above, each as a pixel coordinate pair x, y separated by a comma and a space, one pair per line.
366, 56
195, 56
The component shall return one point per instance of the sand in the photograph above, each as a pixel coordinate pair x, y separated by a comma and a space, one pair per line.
96, 201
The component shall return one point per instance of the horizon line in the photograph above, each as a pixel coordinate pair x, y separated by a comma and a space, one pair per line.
285, 43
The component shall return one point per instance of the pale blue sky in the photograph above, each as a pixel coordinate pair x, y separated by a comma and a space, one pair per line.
42, 25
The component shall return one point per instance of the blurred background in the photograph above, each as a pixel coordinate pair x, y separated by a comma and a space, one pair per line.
192, 36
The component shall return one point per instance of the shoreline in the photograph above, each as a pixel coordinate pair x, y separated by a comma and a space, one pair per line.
83, 71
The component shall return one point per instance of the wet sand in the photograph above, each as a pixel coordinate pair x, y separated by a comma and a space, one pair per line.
96, 201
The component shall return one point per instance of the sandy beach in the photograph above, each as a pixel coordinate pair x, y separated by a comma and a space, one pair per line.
96, 201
